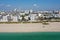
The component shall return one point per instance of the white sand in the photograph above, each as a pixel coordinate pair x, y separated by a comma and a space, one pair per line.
30, 27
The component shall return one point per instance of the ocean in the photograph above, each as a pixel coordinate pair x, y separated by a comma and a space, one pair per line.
29, 35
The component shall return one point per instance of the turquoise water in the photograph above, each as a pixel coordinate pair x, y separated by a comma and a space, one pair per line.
30, 36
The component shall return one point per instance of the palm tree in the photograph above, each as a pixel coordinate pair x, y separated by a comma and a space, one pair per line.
23, 19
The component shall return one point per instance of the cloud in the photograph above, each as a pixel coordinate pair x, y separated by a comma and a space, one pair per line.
34, 4
5, 5
8, 5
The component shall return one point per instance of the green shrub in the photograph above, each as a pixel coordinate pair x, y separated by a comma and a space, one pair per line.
45, 23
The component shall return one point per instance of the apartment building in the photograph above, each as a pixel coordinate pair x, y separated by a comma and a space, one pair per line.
30, 16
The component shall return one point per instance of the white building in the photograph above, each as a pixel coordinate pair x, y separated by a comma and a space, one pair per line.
19, 17
31, 11
59, 12
15, 18
27, 11
33, 17
22, 13
2, 12
1, 18
40, 11
39, 14
4, 19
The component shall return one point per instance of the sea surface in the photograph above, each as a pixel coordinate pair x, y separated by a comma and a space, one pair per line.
30, 36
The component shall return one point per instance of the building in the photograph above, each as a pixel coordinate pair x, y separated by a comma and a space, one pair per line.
4, 19
22, 13
19, 18
15, 19
59, 12
33, 16
26, 11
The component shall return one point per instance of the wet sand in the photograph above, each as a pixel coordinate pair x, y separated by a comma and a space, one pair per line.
30, 27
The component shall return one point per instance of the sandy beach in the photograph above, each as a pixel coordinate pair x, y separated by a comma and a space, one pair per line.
30, 27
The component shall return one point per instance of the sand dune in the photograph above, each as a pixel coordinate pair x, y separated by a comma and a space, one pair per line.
30, 27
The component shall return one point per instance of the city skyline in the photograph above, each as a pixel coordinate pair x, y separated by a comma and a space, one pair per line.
30, 4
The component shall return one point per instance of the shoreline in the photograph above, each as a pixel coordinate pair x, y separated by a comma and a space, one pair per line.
30, 27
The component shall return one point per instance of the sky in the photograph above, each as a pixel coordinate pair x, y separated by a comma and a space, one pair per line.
30, 4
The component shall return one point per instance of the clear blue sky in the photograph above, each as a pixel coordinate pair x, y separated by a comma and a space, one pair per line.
30, 4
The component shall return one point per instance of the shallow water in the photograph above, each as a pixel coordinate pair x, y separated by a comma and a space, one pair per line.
30, 36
